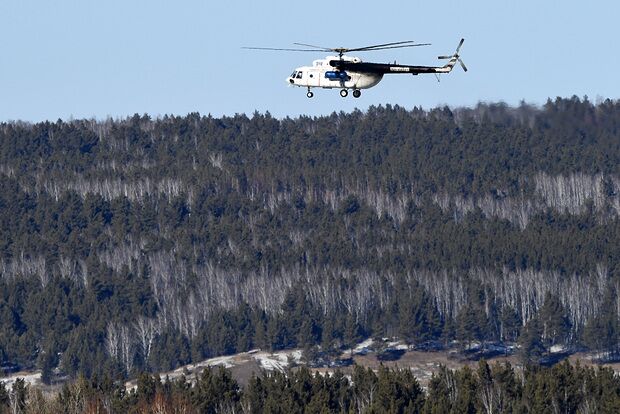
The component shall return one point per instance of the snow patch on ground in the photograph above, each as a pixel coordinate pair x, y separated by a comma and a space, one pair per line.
31, 378
297, 355
556, 349
398, 345
363, 347
226, 361
270, 362
277, 361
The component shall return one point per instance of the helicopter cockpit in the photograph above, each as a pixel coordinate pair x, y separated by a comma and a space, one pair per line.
297, 74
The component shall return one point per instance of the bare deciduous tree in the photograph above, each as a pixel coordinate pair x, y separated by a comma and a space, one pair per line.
146, 330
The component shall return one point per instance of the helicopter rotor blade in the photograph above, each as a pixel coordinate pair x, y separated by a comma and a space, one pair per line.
456, 55
384, 44
343, 50
387, 47
275, 48
459, 46
323, 48
395, 45
463, 65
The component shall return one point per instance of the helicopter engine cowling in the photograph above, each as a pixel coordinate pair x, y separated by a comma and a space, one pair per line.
337, 75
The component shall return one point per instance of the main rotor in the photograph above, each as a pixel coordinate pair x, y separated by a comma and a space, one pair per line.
342, 50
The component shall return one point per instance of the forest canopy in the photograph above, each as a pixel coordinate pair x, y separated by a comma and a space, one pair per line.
141, 244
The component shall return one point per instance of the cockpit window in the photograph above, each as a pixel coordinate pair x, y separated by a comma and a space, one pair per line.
293, 74
299, 75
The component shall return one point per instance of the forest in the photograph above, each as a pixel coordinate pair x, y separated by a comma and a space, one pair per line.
138, 245
498, 388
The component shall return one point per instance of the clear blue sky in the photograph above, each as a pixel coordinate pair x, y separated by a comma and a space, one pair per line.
83, 59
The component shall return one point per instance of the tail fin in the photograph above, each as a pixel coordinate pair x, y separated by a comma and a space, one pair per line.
448, 66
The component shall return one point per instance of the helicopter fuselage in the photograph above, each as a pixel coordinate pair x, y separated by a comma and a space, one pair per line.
347, 72
323, 75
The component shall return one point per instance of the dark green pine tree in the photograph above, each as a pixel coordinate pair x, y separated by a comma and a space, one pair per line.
530, 341
555, 323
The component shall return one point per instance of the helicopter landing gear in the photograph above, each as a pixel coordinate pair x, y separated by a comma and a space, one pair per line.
344, 93
357, 93
310, 94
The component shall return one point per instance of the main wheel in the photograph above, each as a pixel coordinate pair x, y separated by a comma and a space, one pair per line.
310, 94
357, 93
344, 93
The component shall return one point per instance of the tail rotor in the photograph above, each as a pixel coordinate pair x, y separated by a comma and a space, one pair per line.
455, 57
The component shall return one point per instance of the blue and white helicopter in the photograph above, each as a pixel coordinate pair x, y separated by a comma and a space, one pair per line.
346, 72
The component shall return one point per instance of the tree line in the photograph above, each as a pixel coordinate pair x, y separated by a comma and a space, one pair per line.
564, 388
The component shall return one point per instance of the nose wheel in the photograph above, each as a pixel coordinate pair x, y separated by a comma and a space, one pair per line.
309, 94
357, 93
344, 93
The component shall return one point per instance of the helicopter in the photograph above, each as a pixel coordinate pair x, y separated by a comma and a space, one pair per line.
347, 72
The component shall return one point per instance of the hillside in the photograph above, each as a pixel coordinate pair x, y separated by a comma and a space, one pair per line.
145, 244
